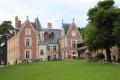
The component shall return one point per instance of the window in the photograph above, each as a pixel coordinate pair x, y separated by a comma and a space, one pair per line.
45, 35
51, 35
74, 33
27, 54
74, 53
48, 47
41, 52
54, 48
27, 41
74, 44
28, 31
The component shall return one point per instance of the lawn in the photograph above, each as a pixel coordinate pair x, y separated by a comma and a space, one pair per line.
61, 70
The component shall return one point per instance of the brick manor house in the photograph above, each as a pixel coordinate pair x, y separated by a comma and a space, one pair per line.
33, 42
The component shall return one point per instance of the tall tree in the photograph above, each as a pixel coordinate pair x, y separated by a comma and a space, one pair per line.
90, 37
6, 30
103, 16
116, 30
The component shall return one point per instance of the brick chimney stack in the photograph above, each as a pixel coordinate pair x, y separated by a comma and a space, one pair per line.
17, 24
49, 25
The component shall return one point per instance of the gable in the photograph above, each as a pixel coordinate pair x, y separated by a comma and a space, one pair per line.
27, 24
73, 29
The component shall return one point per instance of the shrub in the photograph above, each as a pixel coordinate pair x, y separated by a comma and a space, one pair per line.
100, 56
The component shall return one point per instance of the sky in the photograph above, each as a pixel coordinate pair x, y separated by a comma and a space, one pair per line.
48, 11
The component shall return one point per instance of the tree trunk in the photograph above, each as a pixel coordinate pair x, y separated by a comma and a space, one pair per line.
108, 54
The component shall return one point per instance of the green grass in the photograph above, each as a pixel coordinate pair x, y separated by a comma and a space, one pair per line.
61, 70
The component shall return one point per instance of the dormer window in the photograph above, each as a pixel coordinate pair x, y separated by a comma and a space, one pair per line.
51, 35
46, 35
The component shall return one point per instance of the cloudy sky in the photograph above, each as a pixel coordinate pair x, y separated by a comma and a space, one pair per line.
48, 10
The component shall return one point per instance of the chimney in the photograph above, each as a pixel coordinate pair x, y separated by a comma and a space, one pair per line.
16, 22
19, 23
49, 25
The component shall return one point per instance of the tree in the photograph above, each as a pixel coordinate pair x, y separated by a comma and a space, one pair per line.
116, 30
103, 17
6, 30
90, 37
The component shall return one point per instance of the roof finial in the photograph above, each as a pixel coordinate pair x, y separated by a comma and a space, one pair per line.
73, 19
62, 21
27, 17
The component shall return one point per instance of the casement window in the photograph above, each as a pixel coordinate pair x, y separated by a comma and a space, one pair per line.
28, 42
45, 35
28, 31
41, 52
74, 53
54, 48
27, 54
48, 47
74, 44
51, 35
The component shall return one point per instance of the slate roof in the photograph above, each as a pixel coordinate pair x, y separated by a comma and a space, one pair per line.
37, 25
66, 27
57, 35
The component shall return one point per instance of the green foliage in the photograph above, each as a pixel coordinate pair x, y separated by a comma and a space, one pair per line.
5, 31
105, 17
106, 4
116, 30
88, 36
100, 56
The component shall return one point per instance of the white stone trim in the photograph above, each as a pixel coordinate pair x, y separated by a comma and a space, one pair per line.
65, 42
22, 27
27, 31
25, 53
75, 52
72, 42
29, 39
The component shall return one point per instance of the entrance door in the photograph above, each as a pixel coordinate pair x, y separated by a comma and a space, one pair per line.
49, 58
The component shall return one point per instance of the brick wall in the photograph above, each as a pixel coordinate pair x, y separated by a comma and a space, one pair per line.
22, 46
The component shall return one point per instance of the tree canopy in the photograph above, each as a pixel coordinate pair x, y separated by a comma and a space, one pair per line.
6, 29
104, 21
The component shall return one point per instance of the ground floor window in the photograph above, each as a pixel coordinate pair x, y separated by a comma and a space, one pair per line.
41, 52
54, 48
74, 55
27, 54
